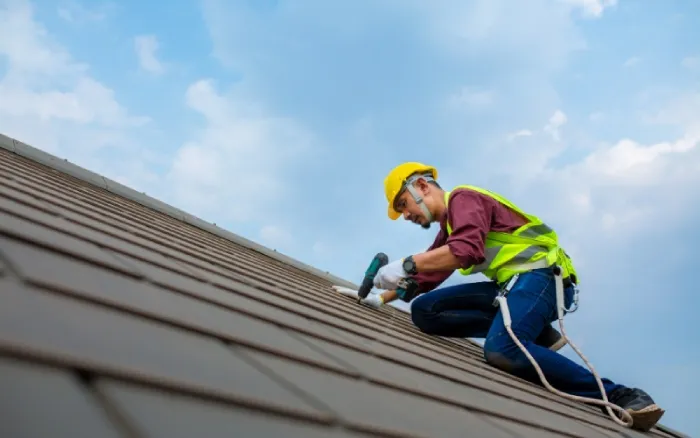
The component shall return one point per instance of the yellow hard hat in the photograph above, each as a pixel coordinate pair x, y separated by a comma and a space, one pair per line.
395, 180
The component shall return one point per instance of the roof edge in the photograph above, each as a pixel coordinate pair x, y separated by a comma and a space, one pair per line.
671, 431
94, 179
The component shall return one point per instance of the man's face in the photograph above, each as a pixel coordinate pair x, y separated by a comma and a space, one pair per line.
409, 209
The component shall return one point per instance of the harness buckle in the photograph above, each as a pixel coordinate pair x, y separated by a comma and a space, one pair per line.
505, 289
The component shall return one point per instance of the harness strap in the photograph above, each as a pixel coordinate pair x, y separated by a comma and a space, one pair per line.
561, 284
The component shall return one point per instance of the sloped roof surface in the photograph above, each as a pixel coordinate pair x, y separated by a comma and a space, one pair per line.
120, 320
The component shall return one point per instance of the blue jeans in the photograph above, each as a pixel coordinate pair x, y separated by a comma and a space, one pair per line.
466, 310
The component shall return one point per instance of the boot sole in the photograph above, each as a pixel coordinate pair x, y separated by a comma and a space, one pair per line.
645, 419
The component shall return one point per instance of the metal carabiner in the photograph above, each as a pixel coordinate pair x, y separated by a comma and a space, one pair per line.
575, 301
505, 289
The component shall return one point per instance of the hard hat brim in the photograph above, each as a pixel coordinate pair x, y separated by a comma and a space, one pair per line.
393, 214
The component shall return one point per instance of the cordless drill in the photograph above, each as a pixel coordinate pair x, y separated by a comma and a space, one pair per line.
408, 287
380, 260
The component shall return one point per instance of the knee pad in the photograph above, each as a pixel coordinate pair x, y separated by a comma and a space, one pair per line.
501, 352
499, 360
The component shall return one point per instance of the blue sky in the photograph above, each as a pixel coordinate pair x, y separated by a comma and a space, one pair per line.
278, 120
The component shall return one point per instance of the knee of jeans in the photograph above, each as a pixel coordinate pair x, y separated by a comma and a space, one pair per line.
501, 352
420, 315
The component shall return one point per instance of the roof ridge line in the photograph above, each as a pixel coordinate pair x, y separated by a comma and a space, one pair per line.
64, 166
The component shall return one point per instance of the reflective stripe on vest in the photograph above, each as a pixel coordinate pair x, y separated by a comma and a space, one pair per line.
533, 245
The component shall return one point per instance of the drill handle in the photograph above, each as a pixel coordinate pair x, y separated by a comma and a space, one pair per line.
379, 261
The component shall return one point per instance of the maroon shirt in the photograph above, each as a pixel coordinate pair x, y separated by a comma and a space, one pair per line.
472, 215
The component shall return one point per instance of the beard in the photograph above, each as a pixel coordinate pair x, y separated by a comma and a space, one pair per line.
419, 221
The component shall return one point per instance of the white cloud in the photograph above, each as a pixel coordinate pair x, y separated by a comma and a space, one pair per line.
629, 185
618, 188
592, 8
43, 81
684, 111
629, 162
88, 102
537, 34
616, 205
50, 100
239, 164
31, 53
146, 47
557, 120
521, 133
75, 12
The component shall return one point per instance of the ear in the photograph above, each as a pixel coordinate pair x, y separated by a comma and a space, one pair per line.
423, 186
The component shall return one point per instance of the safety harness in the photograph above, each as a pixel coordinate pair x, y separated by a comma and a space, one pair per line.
507, 256
534, 246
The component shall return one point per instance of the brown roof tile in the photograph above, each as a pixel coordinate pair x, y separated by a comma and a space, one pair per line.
38, 401
157, 413
129, 317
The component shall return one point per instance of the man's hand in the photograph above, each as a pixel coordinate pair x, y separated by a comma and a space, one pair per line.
389, 276
373, 300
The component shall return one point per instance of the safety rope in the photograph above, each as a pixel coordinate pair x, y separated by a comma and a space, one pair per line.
503, 304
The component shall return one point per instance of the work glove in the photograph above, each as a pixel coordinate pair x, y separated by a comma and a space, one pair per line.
389, 276
373, 300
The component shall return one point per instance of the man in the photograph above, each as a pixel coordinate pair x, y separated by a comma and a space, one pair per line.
481, 232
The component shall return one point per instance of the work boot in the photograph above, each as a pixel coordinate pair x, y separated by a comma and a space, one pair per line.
645, 413
550, 338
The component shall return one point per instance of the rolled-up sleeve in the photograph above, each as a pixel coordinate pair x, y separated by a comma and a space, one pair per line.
470, 215
428, 281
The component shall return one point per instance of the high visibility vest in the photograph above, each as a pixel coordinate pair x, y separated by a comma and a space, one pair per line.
533, 245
